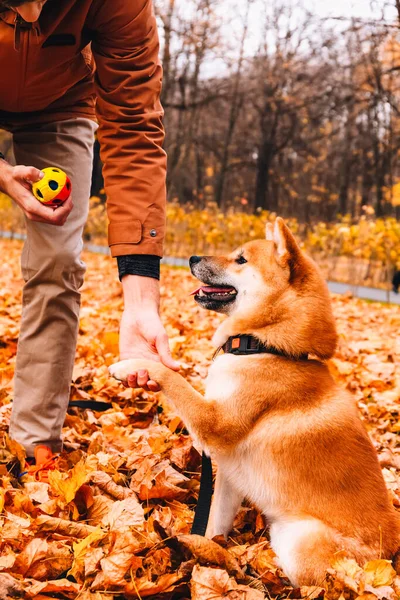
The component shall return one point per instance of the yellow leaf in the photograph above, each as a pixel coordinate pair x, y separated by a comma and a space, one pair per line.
174, 424
379, 573
67, 485
16, 450
348, 566
80, 550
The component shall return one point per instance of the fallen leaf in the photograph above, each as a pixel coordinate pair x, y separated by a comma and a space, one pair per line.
347, 566
37, 491
100, 508
57, 587
106, 483
63, 527
124, 514
17, 450
7, 561
92, 561
208, 551
80, 550
215, 584
10, 587
143, 588
379, 573
66, 485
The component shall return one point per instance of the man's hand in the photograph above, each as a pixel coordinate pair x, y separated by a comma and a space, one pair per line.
142, 334
16, 182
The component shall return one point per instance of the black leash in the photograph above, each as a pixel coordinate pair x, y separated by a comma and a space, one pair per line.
90, 404
202, 511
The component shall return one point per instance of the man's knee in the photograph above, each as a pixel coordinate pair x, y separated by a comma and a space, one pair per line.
65, 268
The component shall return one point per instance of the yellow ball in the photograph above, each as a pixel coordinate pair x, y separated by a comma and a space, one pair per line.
54, 188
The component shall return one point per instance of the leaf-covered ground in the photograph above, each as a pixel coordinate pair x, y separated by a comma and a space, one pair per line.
115, 520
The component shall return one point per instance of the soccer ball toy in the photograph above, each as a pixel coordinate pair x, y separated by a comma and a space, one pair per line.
54, 189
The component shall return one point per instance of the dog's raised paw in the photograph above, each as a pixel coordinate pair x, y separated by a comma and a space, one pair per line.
129, 366
121, 370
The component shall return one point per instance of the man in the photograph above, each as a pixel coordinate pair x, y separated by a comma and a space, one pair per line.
64, 63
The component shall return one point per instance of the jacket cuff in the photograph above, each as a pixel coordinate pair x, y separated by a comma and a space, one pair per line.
145, 265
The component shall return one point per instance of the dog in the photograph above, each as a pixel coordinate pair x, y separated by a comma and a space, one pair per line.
282, 433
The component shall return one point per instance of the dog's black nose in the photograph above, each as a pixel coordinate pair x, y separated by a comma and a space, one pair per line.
194, 259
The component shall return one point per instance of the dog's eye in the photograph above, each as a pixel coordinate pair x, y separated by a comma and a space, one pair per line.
241, 260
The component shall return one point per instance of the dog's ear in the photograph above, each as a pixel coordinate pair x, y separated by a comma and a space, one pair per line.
269, 232
285, 244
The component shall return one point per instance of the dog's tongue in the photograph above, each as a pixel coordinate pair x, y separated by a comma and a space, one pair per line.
212, 290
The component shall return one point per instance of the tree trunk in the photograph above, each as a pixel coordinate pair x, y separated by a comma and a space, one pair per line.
175, 153
233, 115
344, 187
265, 155
380, 182
167, 21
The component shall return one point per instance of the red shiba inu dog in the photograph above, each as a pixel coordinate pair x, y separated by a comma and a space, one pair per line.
282, 433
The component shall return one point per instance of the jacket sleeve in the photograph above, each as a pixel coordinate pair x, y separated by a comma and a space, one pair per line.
128, 85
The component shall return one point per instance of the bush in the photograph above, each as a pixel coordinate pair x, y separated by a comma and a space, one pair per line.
366, 252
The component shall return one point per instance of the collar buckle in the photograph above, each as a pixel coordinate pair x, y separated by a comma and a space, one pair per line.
248, 344
243, 344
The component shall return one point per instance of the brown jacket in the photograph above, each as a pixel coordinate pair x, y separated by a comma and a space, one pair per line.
54, 69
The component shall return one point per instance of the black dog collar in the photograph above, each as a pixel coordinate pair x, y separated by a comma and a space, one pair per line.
248, 344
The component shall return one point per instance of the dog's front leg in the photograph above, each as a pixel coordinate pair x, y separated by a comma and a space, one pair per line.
205, 418
225, 505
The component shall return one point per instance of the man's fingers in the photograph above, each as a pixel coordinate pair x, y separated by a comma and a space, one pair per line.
142, 378
33, 175
132, 380
30, 174
164, 352
153, 386
37, 211
61, 213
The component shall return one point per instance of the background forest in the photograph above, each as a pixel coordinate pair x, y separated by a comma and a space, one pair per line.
278, 106
270, 106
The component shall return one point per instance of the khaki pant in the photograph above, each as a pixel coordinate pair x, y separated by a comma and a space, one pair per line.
53, 272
